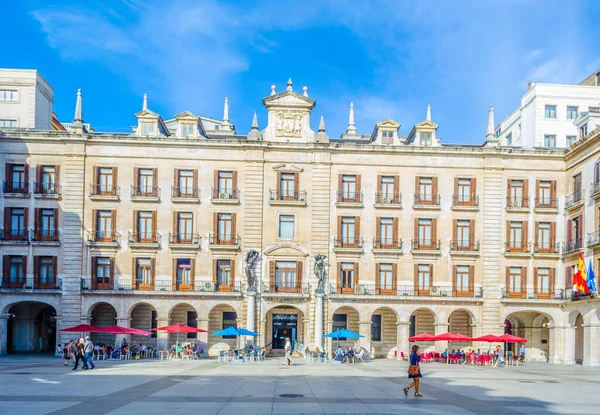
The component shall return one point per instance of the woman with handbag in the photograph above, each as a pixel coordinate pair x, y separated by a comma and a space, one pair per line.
414, 371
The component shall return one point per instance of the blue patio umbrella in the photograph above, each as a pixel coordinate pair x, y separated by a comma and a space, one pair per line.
343, 334
234, 331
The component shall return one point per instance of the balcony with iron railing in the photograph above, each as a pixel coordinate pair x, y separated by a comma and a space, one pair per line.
388, 200
517, 248
374, 289
16, 189
280, 197
517, 204
462, 202
546, 249
348, 199
103, 238
185, 240
426, 245
185, 194
574, 200
425, 201
572, 246
104, 192
348, 244
143, 239
18, 236
387, 244
286, 288
41, 236
595, 189
46, 190
224, 196
222, 242
143, 193
546, 204
161, 286
30, 283
530, 294
465, 247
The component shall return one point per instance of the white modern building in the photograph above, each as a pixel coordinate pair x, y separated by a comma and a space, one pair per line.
26, 100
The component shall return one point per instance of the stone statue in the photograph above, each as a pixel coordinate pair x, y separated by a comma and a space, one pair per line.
320, 271
251, 258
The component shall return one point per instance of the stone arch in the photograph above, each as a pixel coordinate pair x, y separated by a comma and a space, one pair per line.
220, 317
286, 246
384, 332
423, 320
102, 314
186, 314
533, 325
345, 317
576, 321
283, 320
461, 321
144, 316
30, 328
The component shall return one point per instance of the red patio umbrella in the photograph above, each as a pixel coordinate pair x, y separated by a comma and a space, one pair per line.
509, 338
490, 338
452, 337
123, 330
423, 337
82, 328
180, 328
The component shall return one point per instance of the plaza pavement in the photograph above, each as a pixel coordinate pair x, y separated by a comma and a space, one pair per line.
42, 385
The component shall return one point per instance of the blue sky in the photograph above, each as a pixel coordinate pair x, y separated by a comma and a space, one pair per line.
391, 58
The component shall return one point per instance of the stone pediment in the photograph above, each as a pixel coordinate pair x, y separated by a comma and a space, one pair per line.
147, 114
287, 168
286, 249
289, 99
427, 125
389, 123
187, 115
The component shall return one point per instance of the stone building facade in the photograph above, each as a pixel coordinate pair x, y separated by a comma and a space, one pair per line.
152, 228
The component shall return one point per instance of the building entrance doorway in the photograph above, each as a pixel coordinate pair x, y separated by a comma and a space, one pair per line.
284, 325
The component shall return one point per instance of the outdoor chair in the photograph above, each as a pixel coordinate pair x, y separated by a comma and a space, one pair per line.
163, 354
323, 357
403, 356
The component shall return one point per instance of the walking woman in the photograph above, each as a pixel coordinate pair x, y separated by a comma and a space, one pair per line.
414, 371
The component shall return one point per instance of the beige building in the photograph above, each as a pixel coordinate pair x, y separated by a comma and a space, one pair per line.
152, 228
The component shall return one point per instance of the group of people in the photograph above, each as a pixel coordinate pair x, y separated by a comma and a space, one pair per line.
348, 355
498, 355
80, 351
177, 349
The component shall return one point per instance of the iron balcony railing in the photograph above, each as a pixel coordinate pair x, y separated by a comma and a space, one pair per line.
103, 236
464, 246
34, 283
458, 201
387, 243
286, 195
427, 199
348, 242
224, 194
518, 246
517, 202
545, 248
403, 290
546, 203
426, 244
16, 187
44, 235
174, 286
224, 239
144, 191
593, 238
534, 294
290, 288
594, 189
572, 245
143, 238
349, 197
184, 238
574, 198
185, 192
104, 190
47, 188
388, 198
19, 235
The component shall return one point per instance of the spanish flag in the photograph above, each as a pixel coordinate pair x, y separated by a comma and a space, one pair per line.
580, 279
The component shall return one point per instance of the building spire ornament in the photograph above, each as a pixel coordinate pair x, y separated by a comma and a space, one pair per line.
305, 89
351, 128
226, 111
273, 90
428, 117
322, 124
145, 104
490, 126
289, 85
78, 108
254, 122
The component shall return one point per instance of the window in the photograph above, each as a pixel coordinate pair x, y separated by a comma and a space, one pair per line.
576, 186
464, 192
571, 140
145, 227
387, 185
229, 320
549, 141
583, 130
225, 228
224, 276
544, 236
185, 224
147, 128
225, 185
376, 327
387, 137
8, 123
9, 95
45, 274
462, 283
15, 223
146, 182
348, 231
347, 275
425, 233
286, 227
423, 279
545, 193
106, 181
101, 273
509, 139
463, 234
542, 285
340, 321
285, 274
425, 139
192, 321
571, 113
47, 180
349, 191
14, 271
184, 274
144, 274
287, 186
516, 240
514, 283
386, 278
425, 190
104, 225
386, 233
550, 111
517, 193
188, 130
16, 178
46, 227
186, 183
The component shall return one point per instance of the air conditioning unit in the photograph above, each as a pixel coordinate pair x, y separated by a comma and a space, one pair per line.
434, 291
360, 289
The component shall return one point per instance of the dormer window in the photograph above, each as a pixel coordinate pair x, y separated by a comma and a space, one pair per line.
387, 137
187, 130
147, 128
425, 139
583, 130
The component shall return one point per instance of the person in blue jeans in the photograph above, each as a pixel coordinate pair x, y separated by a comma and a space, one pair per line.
414, 361
88, 348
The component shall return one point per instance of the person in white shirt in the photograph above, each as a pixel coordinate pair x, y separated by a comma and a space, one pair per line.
288, 353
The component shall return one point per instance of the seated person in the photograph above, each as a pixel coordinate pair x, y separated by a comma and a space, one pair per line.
361, 353
339, 354
445, 354
349, 354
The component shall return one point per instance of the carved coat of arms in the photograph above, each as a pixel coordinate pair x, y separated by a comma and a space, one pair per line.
289, 124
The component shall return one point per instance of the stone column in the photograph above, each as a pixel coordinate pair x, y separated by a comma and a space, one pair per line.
319, 321
562, 344
441, 328
402, 330
162, 338
263, 332
202, 323
239, 341
329, 342
3, 333
251, 315
365, 331
534, 347
591, 337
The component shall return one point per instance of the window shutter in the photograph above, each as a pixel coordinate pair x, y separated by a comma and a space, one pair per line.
509, 192
26, 175
473, 191
216, 185
215, 272
525, 193
537, 231
234, 180
553, 193
57, 175
299, 269
26, 212
507, 279
569, 230
394, 276
154, 181
152, 270
416, 231
195, 182
340, 181
36, 271
115, 177
579, 228
136, 179
154, 224
93, 271
434, 190
417, 192
455, 232
430, 275
535, 280
215, 226
395, 231
95, 222
7, 215
434, 236
112, 271
175, 227
233, 226
37, 226
454, 287
377, 278
135, 223
339, 228
134, 273
525, 234
396, 189
378, 230
193, 271
176, 182
56, 222
552, 235
416, 279
358, 189
54, 271
174, 274
339, 278
233, 269
279, 194
296, 194
552, 277
378, 194
472, 233
471, 279
38, 178
455, 190
95, 178
537, 193
8, 171
5, 263
356, 274
357, 230
24, 259
113, 221
569, 276
272, 274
